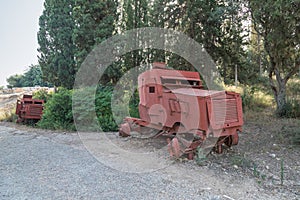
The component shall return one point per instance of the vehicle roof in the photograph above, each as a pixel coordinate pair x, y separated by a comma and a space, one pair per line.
168, 73
197, 92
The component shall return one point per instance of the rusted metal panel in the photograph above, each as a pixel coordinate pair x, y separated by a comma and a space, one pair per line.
29, 109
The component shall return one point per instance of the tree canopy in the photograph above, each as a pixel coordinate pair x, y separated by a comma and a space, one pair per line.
278, 23
32, 77
251, 36
57, 50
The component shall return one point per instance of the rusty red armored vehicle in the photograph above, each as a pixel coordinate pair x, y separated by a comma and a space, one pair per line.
29, 109
175, 104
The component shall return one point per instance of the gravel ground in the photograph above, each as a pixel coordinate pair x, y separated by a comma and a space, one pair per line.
39, 164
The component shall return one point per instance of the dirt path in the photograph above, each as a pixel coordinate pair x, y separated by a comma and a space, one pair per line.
39, 164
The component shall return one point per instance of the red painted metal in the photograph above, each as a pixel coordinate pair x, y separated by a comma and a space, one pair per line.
29, 109
175, 102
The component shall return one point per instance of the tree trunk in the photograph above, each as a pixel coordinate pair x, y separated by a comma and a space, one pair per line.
280, 97
279, 89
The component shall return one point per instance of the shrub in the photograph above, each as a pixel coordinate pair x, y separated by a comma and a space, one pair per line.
103, 108
42, 94
86, 101
83, 104
134, 105
106, 119
58, 111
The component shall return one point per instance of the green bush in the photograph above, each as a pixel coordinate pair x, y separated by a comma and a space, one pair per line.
134, 105
103, 108
83, 109
58, 111
42, 94
107, 121
88, 103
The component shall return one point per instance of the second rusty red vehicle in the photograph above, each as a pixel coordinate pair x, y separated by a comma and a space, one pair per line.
174, 104
29, 109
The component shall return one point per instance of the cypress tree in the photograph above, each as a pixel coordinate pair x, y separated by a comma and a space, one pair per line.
56, 45
95, 22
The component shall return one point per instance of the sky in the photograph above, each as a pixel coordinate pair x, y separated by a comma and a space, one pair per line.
18, 36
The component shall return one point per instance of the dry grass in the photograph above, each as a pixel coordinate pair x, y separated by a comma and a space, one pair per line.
8, 106
266, 117
253, 98
7, 113
286, 130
